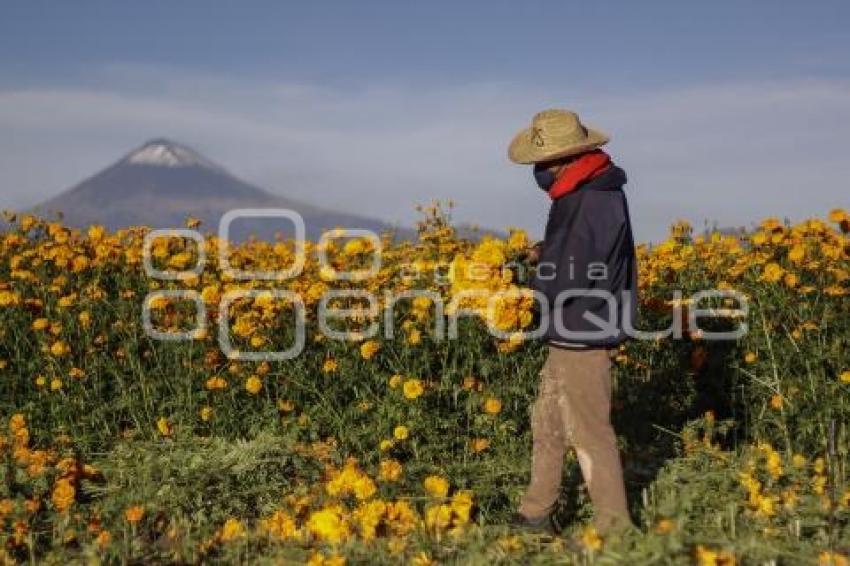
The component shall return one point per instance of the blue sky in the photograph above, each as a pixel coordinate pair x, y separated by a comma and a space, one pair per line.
726, 111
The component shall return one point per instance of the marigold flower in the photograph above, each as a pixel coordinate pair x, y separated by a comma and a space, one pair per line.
413, 389
59, 349
401, 432
63, 494
368, 349
280, 525
164, 426
591, 539
329, 524
389, 470
492, 406
436, 486
479, 444
231, 530
253, 385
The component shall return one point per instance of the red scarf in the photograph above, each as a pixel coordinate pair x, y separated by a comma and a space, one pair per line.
586, 167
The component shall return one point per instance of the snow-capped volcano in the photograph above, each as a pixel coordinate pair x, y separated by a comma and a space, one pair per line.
163, 182
167, 153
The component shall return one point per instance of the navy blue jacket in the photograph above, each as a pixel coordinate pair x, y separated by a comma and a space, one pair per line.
588, 249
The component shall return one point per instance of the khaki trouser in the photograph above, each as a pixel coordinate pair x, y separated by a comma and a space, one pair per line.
572, 410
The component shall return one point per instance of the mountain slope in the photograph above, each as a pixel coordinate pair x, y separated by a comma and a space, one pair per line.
162, 182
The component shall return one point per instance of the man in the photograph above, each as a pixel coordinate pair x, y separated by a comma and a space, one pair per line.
587, 272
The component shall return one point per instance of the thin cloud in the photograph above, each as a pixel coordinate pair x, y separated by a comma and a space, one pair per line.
727, 152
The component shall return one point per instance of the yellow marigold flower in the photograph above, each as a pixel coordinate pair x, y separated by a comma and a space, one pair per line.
63, 494
750, 357
766, 505
461, 505
330, 365
17, 422
80, 263
421, 303
819, 484
363, 487
59, 349
844, 377
413, 389
837, 215
206, 413
469, 382
798, 460
492, 406
797, 253
76, 373
40, 324
328, 524
819, 465
510, 543
164, 427
285, 406
774, 464
414, 337
56, 384
253, 385
215, 383
401, 432
772, 272
479, 444
389, 470
369, 348
231, 530
385, 445
438, 517
96, 232
591, 539
422, 559
319, 559
436, 486
280, 525
709, 557
830, 558
395, 381
9, 298
776, 401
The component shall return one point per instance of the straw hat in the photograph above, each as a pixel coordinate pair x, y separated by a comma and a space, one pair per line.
554, 133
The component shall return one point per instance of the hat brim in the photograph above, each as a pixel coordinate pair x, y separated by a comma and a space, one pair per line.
524, 152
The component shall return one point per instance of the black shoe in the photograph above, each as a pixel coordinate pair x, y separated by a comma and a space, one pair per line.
541, 525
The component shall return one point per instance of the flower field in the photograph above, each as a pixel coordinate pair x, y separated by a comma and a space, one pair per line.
401, 446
